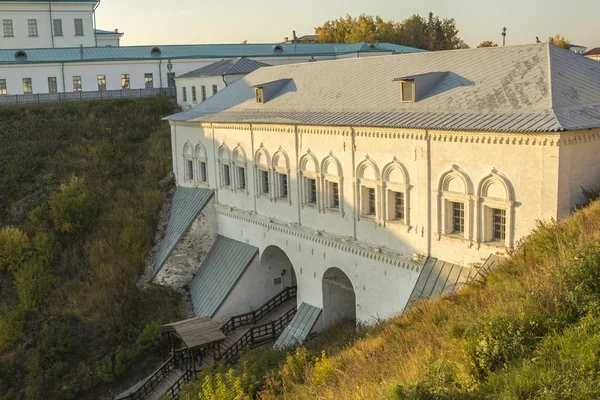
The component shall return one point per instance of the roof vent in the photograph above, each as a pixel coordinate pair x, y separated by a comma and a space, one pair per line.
155, 50
277, 47
20, 54
407, 89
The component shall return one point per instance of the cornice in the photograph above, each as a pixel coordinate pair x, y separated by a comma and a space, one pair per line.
345, 244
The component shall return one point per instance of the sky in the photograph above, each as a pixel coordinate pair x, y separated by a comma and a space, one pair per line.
155, 22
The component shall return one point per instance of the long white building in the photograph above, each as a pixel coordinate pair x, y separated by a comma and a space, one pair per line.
352, 178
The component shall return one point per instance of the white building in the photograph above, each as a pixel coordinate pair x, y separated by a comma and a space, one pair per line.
196, 86
575, 48
353, 173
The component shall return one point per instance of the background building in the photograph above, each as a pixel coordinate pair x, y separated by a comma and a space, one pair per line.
594, 54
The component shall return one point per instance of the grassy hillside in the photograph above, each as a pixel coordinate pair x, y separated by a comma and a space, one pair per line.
79, 200
531, 330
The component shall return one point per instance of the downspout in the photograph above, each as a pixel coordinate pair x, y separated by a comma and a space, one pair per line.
216, 165
51, 22
298, 180
62, 63
354, 188
223, 77
255, 178
160, 72
95, 25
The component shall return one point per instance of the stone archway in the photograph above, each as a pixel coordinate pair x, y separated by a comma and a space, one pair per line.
339, 299
277, 270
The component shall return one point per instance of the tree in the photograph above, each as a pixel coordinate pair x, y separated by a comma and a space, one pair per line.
560, 41
71, 208
487, 43
14, 248
432, 33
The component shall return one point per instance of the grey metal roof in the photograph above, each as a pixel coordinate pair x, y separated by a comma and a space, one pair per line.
231, 66
222, 268
299, 328
186, 205
195, 51
531, 88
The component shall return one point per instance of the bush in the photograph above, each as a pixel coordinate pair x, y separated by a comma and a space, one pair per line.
33, 284
72, 208
14, 248
11, 328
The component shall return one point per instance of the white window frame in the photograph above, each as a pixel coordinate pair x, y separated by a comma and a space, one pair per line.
201, 165
188, 163
28, 86
184, 94
203, 89
78, 23
194, 95
8, 28
57, 27
52, 84
485, 204
101, 82
261, 174
215, 89
280, 168
149, 80
125, 81
32, 28
3, 88
402, 84
77, 84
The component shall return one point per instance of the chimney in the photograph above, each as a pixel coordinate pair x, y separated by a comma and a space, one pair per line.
295, 36
81, 48
285, 39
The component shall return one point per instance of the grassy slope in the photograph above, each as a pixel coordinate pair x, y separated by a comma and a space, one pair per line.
531, 330
121, 149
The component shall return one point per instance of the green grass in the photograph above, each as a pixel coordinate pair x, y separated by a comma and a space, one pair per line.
81, 180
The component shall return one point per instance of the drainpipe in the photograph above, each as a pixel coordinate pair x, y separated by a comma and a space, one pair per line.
51, 22
160, 72
223, 77
354, 188
95, 25
62, 63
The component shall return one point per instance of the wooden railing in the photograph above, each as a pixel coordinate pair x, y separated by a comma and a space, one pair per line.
155, 379
253, 317
174, 390
256, 336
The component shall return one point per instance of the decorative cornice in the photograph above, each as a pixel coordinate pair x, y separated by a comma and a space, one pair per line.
577, 137
346, 244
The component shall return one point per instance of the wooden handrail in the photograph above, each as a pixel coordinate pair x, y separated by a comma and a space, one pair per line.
252, 317
174, 390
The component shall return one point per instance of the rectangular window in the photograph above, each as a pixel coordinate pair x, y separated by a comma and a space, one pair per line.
3, 87
241, 178
498, 225
32, 26
203, 92
78, 27
398, 201
264, 182
7, 26
184, 94
203, 176
189, 170
226, 175
283, 186
57, 25
148, 81
101, 82
311, 187
215, 89
260, 95
408, 91
125, 82
334, 195
371, 205
171, 79
194, 96
458, 218
52, 85
27, 86
77, 83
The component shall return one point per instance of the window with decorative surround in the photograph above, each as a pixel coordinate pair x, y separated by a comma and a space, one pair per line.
367, 190
225, 166
239, 165
396, 193
495, 205
262, 161
188, 164
455, 205
281, 173
309, 180
201, 165
332, 183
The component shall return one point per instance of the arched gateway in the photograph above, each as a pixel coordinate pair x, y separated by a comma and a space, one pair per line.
278, 268
339, 300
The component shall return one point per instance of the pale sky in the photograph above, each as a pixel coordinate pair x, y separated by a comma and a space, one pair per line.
268, 21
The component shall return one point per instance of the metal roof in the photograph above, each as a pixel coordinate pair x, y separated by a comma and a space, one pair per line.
193, 51
222, 268
186, 205
104, 32
231, 66
531, 88
299, 327
47, 1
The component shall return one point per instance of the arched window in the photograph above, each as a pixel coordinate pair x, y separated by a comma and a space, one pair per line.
281, 174
331, 182
368, 189
262, 160
20, 54
455, 204
309, 182
239, 168
396, 187
224, 156
155, 51
201, 163
188, 163
495, 204
277, 47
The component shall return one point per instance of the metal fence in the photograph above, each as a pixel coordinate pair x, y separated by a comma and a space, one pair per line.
94, 95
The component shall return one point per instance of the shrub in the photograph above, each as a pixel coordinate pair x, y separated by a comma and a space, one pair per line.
133, 238
11, 328
14, 248
71, 207
149, 338
33, 284
322, 371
